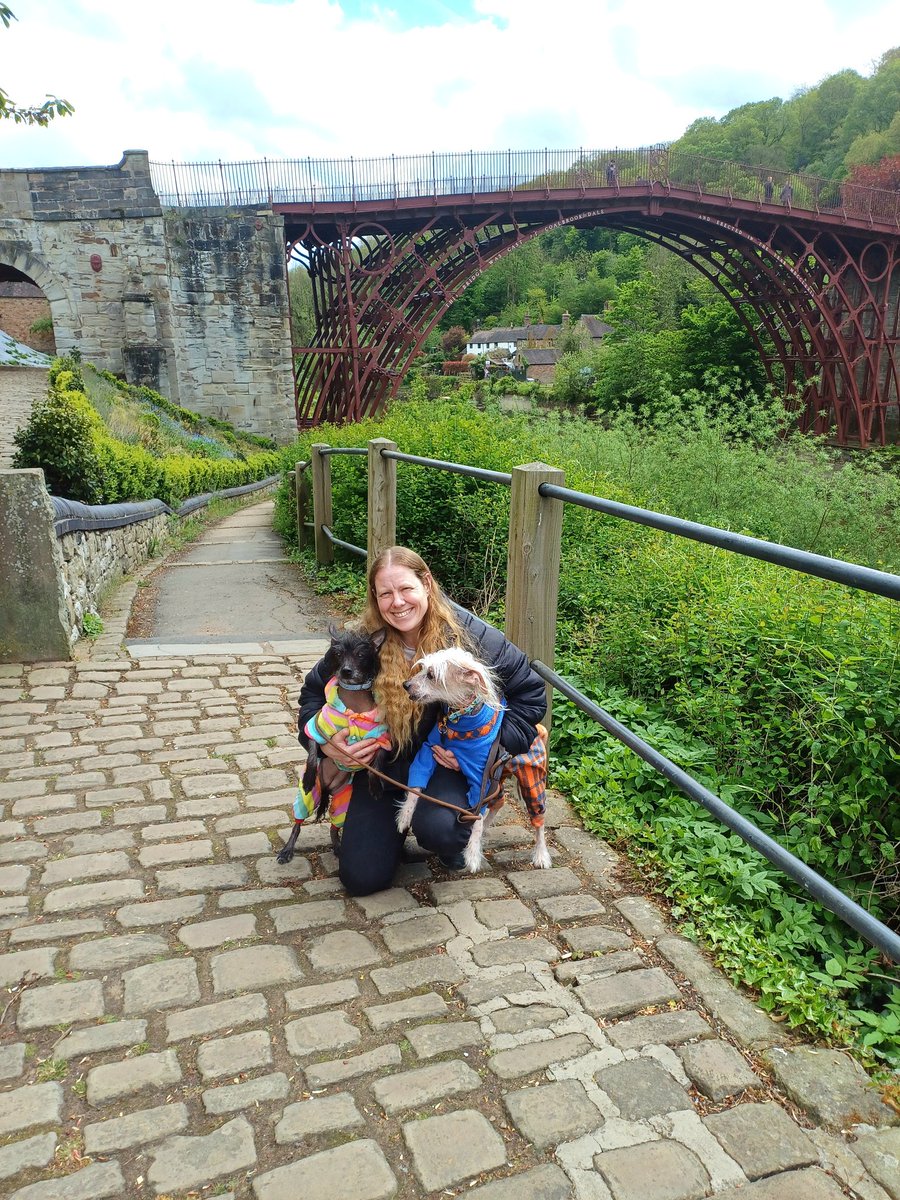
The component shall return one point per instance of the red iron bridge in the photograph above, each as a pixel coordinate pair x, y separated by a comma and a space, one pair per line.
811, 266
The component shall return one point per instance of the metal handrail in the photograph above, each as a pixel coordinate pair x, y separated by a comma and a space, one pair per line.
873, 930
881, 583
336, 541
326, 451
503, 477
428, 177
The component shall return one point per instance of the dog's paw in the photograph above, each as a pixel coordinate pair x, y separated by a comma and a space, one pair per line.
405, 813
541, 857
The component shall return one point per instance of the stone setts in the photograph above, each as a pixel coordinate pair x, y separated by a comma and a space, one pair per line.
182, 1016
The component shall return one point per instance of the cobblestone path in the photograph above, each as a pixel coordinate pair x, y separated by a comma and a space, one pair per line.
181, 1016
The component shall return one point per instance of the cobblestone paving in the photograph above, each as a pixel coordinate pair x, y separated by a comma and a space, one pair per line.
180, 1015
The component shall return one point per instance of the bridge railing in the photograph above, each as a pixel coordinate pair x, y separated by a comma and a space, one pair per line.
537, 496
313, 182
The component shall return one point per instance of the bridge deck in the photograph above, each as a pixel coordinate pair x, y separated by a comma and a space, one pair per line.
185, 1012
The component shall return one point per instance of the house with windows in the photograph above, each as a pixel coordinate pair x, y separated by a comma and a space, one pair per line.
532, 348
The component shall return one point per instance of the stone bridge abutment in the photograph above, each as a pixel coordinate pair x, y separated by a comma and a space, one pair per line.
192, 302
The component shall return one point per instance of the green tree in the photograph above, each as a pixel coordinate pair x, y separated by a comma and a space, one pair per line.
41, 114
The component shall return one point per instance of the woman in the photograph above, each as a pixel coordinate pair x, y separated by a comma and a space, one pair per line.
406, 604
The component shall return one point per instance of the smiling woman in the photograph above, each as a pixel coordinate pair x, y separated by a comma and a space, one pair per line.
407, 607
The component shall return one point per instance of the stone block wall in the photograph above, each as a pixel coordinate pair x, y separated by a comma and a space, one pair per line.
230, 315
94, 561
191, 302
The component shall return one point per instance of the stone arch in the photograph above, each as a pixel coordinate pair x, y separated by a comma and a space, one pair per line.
22, 259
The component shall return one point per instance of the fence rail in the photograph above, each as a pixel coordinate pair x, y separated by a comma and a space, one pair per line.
532, 589
313, 182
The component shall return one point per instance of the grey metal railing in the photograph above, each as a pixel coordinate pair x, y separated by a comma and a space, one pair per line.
310, 181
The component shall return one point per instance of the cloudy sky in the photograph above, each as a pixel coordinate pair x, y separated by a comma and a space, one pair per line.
200, 80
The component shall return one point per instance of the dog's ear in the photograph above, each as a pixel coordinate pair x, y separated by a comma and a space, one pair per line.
333, 631
378, 638
478, 677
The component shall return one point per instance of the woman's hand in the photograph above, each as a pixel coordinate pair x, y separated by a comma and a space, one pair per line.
359, 754
445, 758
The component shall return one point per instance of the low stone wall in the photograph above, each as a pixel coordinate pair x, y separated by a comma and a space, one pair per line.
95, 561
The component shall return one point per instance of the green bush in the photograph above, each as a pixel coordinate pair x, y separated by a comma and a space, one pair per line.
82, 460
60, 438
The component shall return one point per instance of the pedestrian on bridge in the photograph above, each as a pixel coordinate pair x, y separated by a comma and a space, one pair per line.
406, 603
612, 173
787, 194
768, 190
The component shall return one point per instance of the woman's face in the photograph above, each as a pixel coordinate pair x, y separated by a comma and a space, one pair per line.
402, 600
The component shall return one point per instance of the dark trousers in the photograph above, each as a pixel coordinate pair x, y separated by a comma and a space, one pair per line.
370, 842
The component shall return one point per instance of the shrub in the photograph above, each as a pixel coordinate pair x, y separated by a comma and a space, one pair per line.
59, 437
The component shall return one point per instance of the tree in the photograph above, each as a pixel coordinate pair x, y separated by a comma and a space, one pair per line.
454, 340
41, 114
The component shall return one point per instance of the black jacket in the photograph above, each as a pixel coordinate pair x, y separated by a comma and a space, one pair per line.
523, 690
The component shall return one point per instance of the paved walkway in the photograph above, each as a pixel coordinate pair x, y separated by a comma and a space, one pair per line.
181, 1016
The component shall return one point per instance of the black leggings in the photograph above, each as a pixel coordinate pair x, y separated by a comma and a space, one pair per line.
371, 843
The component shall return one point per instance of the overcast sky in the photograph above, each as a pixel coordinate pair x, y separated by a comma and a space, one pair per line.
199, 80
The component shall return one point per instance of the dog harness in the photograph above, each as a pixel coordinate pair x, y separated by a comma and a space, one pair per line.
332, 717
471, 735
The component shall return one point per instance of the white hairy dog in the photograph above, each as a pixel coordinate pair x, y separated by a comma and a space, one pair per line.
469, 726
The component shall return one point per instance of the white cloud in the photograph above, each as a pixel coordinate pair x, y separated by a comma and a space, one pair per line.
203, 79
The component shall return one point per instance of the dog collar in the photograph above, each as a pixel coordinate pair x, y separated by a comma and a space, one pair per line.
471, 707
356, 687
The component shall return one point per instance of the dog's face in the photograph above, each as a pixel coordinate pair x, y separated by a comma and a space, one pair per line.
452, 677
352, 657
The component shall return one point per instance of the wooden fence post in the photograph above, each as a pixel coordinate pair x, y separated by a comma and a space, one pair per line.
532, 586
321, 473
382, 531
301, 500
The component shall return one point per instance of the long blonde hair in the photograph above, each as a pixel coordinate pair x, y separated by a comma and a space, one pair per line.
440, 628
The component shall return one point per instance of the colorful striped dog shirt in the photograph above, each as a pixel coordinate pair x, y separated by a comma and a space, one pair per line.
332, 717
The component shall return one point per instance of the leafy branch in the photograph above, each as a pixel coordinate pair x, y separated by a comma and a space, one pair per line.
34, 114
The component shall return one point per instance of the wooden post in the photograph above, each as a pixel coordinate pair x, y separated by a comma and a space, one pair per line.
532, 586
321, 473
301, 500
382, 498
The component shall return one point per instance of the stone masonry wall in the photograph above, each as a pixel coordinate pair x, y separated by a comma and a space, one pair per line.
95, 561
191, 302
230, 316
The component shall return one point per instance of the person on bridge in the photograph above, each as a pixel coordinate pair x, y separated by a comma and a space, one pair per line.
612, 173
768, 190
787, 194
405, 601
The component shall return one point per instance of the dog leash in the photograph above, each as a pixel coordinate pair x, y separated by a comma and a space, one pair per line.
462, 813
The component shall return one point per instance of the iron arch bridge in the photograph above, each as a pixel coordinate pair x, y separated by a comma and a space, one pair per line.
812, 267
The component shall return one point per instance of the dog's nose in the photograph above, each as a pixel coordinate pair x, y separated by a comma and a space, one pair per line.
406, 686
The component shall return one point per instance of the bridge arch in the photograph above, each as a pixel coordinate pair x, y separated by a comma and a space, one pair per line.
817, 291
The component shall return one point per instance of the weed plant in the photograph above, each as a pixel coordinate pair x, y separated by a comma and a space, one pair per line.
777, 690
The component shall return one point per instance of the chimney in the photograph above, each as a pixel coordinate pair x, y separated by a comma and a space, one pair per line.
527, 321
565, 318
